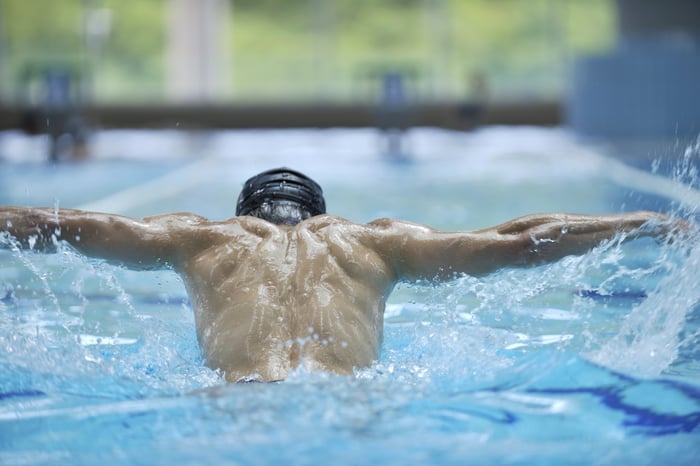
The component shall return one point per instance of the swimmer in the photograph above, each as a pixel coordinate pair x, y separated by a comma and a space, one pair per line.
283, 284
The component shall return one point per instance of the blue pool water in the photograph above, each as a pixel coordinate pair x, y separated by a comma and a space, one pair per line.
591, 360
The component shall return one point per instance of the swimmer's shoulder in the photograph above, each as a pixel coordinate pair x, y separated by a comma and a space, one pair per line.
188, 218
376, 229
194, 224
325, 221
177, 219
392, 225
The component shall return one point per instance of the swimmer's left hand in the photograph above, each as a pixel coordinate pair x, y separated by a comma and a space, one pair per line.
665, 227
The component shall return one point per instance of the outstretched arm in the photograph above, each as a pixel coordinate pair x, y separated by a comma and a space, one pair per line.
139, 244
418, 252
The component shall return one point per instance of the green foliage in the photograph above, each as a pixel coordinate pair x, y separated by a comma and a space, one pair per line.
319, 49
131, 63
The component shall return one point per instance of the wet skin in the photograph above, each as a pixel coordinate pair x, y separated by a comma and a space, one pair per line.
268, 298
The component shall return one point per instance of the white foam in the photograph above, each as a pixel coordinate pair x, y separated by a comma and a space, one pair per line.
91, 340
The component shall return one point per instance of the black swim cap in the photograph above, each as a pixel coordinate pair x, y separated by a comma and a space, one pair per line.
281, 184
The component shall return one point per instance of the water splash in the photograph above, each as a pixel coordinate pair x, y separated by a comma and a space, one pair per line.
624, 305
95, 336
649, 339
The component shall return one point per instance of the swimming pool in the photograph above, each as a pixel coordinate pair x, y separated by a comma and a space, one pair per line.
591, 360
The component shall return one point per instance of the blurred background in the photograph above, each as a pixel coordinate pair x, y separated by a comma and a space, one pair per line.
609, 69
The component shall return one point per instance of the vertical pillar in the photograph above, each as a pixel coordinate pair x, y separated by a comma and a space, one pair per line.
197, 42
324, 23
438, 24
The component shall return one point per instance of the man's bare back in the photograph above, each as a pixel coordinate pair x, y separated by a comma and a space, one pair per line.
269, 298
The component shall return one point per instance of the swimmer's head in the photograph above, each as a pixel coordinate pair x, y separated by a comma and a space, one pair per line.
281, 196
